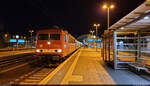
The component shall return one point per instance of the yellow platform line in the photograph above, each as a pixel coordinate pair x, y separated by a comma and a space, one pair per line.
45, 80
68, 77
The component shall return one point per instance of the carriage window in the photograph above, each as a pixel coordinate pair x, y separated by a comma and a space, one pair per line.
54, 36
43, 37
65, 37
71, 40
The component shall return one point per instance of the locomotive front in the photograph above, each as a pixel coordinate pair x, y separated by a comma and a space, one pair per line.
49, 43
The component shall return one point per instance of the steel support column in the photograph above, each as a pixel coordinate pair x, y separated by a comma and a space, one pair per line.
139, 45
109, 50
115, 50
105, 49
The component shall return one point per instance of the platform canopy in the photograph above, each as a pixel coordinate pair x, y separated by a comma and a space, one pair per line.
138, 19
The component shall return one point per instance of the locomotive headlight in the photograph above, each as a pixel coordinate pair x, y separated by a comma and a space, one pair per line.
59, 50
48, 43
37, 50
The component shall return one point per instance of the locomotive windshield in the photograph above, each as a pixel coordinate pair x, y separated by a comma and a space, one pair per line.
54, 36
43, 37
46, 37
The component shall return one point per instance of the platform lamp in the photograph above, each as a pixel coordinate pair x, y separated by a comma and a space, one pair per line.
108, 7
96, 25
92, 31
17, 37
25, 38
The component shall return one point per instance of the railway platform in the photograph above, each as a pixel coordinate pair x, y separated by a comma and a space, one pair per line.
86, 66
11, 53
13, 49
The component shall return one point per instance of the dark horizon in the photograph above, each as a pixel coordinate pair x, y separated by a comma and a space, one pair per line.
76, 16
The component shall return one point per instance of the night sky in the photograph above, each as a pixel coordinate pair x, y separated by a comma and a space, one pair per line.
76, 16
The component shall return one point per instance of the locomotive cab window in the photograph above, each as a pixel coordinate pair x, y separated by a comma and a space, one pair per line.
43, 37
54, 36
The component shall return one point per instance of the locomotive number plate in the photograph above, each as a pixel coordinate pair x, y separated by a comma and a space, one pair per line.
48, 50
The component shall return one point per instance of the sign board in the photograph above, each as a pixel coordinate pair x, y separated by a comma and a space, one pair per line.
21, 40
94, 40
12, 40
15, 40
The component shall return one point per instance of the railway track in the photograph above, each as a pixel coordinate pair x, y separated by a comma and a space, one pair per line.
23, 69
33, 77
8, 62
13, 49
13, 67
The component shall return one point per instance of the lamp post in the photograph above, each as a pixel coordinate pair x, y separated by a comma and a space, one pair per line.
25, 44
92, 31
96, 25
31, 31
17, 37
108, 7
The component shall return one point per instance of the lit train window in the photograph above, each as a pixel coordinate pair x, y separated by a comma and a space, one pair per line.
43, 37
54, 36
65, 37
71, 40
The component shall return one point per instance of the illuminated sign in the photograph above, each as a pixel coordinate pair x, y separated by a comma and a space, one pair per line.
12, 40
15, 40
21, 40
99, 40
90, 40
95, 40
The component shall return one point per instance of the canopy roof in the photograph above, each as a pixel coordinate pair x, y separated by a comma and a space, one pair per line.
138, 19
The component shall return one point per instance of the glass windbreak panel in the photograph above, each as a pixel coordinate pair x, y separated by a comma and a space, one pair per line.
43, 37
54, 36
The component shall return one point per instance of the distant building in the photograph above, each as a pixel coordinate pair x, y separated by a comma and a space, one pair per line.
90, 41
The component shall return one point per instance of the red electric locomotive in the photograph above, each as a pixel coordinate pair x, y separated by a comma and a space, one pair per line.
55, 43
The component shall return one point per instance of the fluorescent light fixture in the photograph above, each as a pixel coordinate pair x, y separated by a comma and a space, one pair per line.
146, 17
122, 28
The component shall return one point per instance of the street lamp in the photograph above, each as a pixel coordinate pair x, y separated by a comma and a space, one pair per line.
108, 7
92, 31
17, 37
31, 31
25, 38
96, 25
6, 35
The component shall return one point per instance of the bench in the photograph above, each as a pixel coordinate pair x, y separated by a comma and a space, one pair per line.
140, 64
